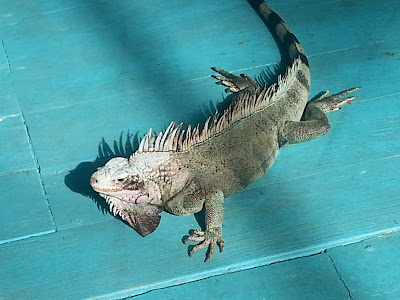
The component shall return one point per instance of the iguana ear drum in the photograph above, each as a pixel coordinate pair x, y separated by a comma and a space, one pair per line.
131, 183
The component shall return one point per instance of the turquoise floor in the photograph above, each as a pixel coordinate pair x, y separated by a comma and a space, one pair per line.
81, 81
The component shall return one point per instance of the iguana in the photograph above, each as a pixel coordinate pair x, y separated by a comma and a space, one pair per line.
182, 171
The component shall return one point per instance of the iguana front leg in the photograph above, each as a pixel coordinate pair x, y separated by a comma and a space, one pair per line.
214, 206
315, 122
191, 200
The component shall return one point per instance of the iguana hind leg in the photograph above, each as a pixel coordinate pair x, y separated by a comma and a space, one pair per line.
315, 122
236, 84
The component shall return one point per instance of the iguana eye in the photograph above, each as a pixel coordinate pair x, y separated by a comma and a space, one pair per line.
120, 179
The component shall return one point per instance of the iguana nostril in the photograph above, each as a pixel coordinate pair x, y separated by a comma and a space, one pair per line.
93, 180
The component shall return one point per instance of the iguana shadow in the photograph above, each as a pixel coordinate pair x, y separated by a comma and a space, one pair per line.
78, 179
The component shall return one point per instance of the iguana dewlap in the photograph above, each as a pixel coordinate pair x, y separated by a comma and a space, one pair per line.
182, 171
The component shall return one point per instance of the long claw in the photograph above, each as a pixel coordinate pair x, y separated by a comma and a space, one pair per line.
198, 247
198, 232
235, 83
210, 252
221, 78
227, 83
223, 73
221, 245
348, 91
334, 102
232, 90
322, 96
207, 238
196, 238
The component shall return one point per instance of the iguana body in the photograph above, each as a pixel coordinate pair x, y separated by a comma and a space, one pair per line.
183, 171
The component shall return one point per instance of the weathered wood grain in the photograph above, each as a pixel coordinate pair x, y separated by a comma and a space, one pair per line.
305, 278
370, 268
83, 72
24, 212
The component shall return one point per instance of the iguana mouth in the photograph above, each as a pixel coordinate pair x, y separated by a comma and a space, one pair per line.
127, 193
126, 196
106, 190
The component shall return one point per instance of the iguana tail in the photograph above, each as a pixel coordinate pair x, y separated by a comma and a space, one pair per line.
282, 31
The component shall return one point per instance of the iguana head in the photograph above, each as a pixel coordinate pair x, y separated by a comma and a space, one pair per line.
134, 188
121, 180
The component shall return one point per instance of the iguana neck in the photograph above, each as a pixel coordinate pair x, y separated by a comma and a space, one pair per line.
166, 174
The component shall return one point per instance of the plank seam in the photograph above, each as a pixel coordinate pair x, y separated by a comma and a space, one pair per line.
222, 274
17, 172
129, 293
24, 237
339, 275
28, 135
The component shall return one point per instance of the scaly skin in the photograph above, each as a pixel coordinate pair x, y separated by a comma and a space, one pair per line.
182, 174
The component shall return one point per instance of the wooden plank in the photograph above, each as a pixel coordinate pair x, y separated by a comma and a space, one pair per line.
305, 278
374, 67
108, 53
15, 151
82, 46
90, 261
262, 225
340, 24
25, 212
118, 73
129, 113
369, 269
8, 102
134, 101
72, 200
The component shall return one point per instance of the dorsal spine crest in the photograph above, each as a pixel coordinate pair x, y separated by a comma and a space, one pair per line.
175, 139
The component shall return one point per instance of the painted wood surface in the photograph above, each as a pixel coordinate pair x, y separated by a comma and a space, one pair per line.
82, 80
306, 278
370, 268
365, 270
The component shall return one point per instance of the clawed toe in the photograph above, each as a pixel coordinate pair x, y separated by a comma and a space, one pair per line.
334, 102
341, 94
206, 238
195, 236
223, 73
235, 83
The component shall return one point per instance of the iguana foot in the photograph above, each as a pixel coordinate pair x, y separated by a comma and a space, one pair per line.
235, 83
209, 238
334, 102
314, 122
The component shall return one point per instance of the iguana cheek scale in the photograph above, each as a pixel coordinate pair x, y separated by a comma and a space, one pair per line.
183, 171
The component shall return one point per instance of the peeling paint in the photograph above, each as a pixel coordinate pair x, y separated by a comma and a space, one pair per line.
383, 234
141, 285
